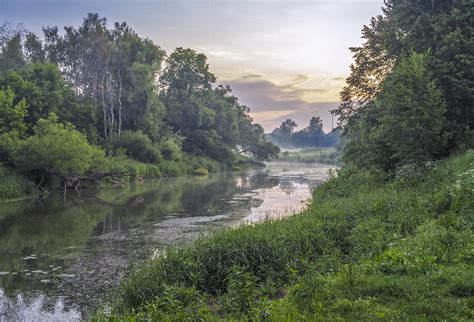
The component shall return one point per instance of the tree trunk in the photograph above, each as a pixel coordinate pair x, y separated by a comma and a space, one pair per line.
111, 110
120, 104
104, 110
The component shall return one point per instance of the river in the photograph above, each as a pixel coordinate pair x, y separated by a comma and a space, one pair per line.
60, 258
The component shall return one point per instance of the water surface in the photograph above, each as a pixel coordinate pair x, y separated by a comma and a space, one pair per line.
60, 258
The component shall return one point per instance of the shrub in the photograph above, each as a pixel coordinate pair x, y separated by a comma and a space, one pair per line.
132, 168
201, 172
138, 146
207, 163
56, 149
171, 150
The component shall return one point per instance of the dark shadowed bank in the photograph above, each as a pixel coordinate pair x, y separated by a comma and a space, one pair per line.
371, 246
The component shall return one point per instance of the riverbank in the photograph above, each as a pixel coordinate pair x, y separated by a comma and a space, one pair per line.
72, 253
369, 247
15, 186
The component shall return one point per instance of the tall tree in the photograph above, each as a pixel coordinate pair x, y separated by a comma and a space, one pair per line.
404, 124
185, 79
443, 27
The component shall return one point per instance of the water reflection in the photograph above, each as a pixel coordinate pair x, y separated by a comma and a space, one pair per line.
58, 259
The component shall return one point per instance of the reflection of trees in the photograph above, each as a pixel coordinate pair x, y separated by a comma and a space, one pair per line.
256, 179
53, 226
49, 228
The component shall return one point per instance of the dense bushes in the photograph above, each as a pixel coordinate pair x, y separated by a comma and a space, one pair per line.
376, 249
129, 168
138, 146
56, 149
171, 150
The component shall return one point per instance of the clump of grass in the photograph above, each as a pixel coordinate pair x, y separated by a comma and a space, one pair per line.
201, 172
369, 247
13, 185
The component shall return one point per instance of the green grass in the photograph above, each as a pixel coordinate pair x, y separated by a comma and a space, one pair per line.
201, 172
368, 248
13, 186
316, 155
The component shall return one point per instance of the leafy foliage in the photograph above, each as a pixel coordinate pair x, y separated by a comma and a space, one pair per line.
404, 124
443, 29
108, 85
56, 149
138, 146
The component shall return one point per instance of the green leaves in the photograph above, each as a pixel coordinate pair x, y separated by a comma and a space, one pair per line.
56, 149
404, 124
11, 114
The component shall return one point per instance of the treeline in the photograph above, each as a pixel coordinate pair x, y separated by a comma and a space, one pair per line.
409, 97
91, 99
311, 136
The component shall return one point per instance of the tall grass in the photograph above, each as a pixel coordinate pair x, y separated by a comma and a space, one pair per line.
13, 185
367, 248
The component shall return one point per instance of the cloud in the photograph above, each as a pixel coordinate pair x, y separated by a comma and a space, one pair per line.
270, 104
261, 94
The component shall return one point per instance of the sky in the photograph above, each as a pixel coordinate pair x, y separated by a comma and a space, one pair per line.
282, 58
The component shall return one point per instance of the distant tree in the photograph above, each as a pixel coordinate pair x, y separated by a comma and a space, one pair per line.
311, 136
287, 127
33, 48
11, 54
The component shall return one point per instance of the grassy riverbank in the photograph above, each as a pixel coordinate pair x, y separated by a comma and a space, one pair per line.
369, 247
15, 186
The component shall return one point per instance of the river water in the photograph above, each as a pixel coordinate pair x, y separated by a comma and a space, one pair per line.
60, 258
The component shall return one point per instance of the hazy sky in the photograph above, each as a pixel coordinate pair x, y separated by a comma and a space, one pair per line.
282, 58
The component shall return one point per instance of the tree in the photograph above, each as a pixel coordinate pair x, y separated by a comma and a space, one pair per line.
43, 87
11, 55
253, 142
405, 122
34, 51
12, 125
443, 27
184, 80
137, 146
12, 115
287, 127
